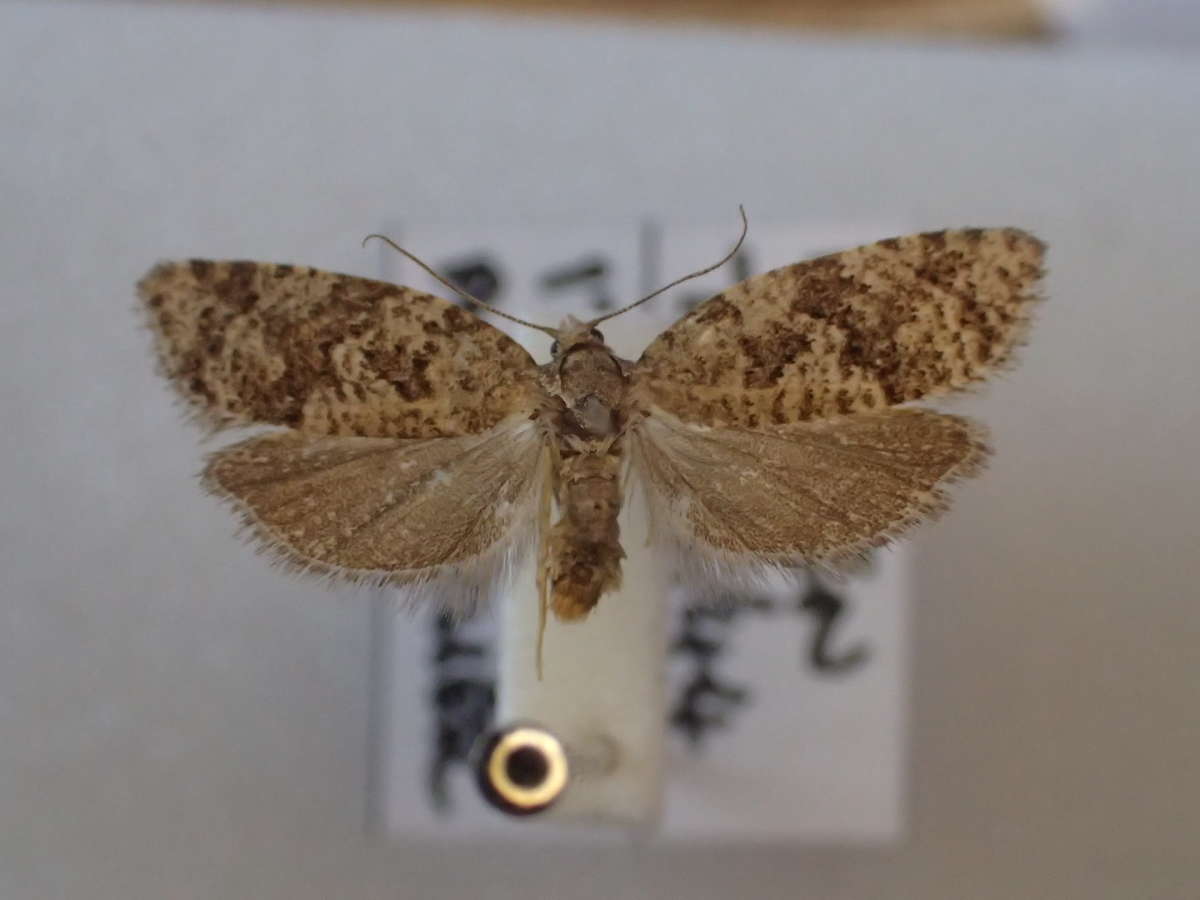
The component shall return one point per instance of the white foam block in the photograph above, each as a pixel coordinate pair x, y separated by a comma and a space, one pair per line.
603, 682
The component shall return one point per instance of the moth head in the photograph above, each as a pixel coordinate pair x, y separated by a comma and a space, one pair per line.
572, 333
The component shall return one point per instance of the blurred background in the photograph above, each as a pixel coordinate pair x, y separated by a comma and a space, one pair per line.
178, 721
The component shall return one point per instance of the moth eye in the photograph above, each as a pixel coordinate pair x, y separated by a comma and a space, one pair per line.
597, 335
554, 349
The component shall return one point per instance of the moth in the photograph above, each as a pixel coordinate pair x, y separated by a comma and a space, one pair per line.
415, 444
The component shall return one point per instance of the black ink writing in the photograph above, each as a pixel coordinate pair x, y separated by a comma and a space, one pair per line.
706, 701
590, 274
828, 610
463, 697
478, 275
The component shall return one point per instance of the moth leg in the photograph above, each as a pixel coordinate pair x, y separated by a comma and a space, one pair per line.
543, 568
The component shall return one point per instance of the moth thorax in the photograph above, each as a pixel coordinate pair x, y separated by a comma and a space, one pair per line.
593, 417
591, 378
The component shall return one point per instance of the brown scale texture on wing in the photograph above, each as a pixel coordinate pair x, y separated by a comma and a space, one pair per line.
330, 354
851, 332
801, 493
384, 510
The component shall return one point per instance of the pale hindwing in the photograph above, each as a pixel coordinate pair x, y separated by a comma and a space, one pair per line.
851, 332
729, 500
324, 353
456, 511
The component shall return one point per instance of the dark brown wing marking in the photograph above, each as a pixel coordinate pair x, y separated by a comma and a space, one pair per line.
330, 354
852, 332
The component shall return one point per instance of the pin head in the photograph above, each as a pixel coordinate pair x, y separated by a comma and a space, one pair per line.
521, 769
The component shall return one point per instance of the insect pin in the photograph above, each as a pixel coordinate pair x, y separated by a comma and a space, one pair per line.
415, 444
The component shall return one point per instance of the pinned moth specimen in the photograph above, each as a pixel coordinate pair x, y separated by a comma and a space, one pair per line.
417, 445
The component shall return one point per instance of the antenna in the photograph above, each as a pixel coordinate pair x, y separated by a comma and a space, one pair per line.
728, 256
553, 332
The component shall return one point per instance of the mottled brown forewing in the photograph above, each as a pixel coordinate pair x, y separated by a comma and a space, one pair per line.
330, 354
851, 332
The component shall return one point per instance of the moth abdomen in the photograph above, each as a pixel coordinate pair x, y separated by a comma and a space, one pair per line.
584, 545
582, 572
